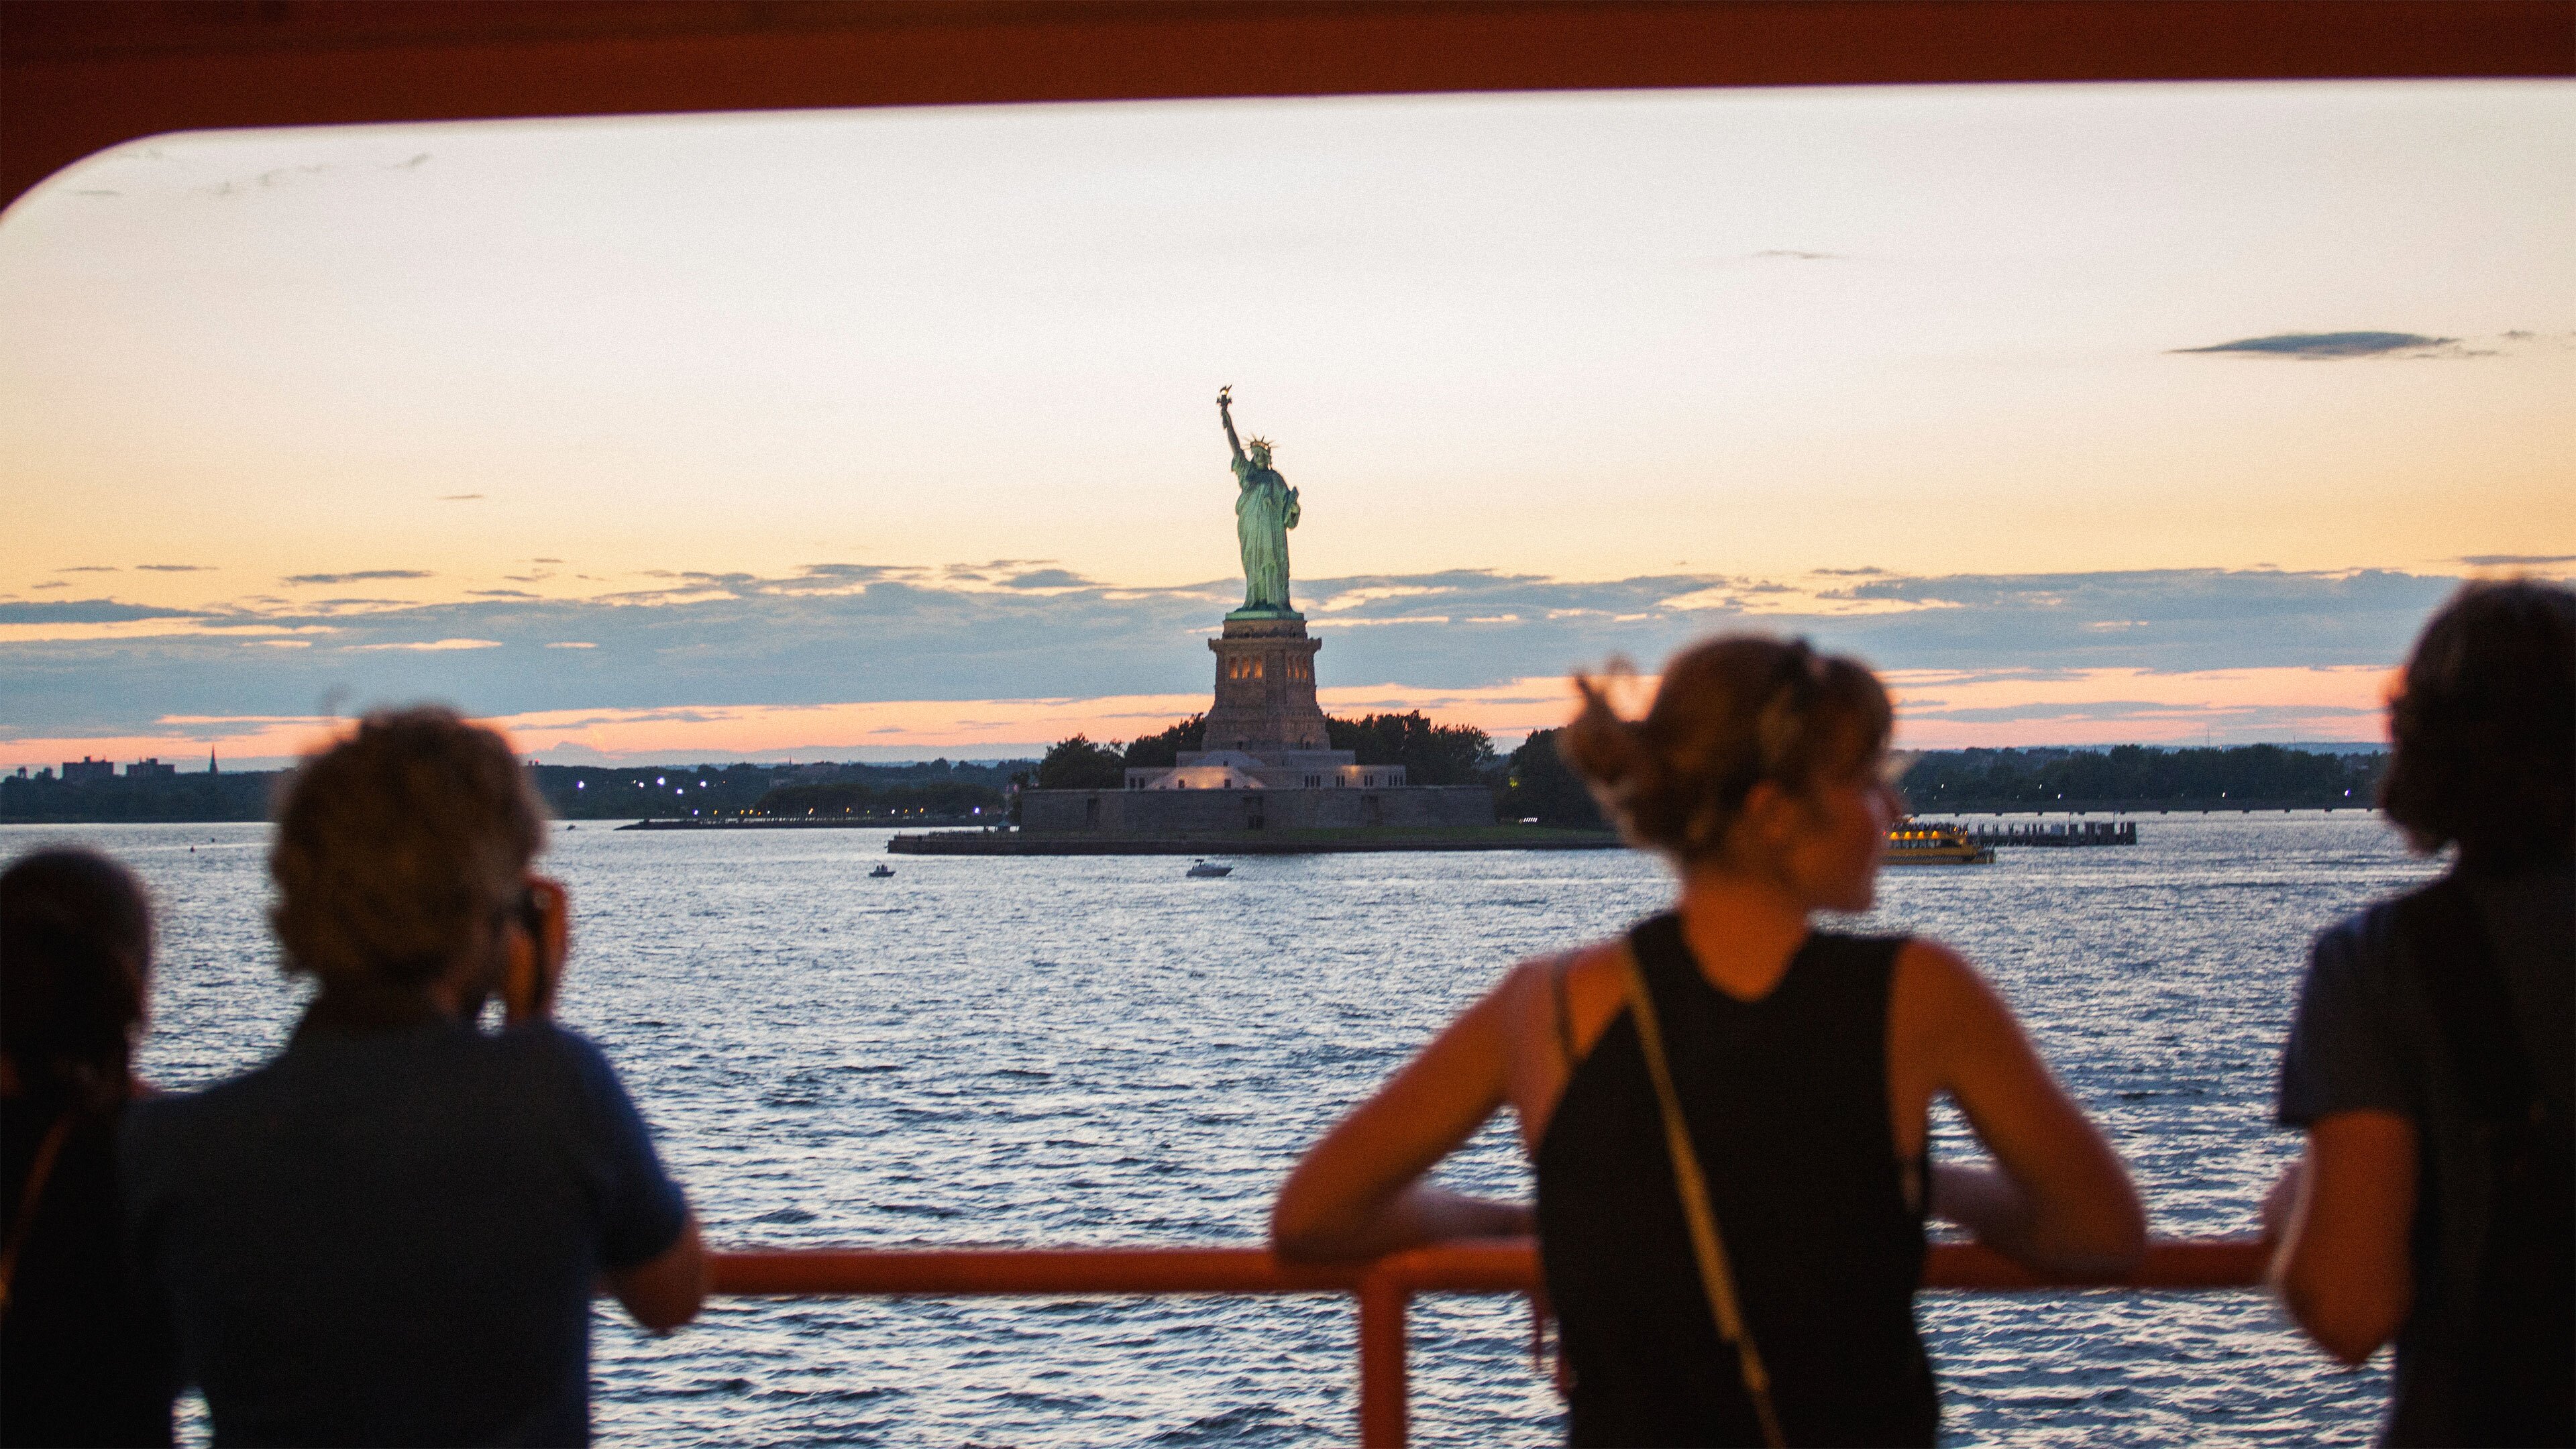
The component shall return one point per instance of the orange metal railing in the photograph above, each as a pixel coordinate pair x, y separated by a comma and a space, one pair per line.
1383, 1288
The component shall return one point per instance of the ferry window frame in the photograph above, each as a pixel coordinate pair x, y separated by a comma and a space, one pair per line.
84, 77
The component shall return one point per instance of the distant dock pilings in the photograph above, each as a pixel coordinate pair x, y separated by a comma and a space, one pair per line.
2064, 833
802, 822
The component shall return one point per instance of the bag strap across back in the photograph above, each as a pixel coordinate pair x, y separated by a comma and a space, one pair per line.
1716, 1277
2519, 1388
29, 1199
2470, 1004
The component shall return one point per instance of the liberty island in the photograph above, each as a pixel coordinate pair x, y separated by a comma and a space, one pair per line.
1266, 779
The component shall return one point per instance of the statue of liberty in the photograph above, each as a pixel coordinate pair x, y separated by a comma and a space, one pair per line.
1264, 510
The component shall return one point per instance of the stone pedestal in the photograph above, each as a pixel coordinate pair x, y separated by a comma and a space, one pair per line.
1265, 686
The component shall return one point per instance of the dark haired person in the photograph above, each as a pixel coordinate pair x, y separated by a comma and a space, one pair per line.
82, 1358
1726, 1108
389, 1233
2429, 1061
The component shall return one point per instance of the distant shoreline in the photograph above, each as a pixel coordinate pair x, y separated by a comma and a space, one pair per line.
1922, 811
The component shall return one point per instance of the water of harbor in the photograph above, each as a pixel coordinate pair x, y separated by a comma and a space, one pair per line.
1096, 1050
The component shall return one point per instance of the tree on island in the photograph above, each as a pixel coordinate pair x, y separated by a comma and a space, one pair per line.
1078, 764
1542, 787
1431, 754
1162, 751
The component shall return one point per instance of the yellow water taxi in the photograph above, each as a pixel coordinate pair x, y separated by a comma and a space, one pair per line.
1917, 842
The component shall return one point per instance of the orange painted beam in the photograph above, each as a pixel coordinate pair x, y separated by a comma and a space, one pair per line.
1499, 1265
78, 76
1384, 1288
971, 1272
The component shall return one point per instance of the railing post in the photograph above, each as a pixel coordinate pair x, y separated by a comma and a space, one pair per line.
1382, 1389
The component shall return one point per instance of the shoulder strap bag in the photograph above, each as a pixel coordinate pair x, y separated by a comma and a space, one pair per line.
1715, 1277
29, 1199
2519, 1388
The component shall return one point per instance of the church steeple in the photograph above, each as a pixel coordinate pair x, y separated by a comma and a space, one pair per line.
211, 767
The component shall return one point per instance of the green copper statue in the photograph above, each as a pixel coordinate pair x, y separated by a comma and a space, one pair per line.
1264, 511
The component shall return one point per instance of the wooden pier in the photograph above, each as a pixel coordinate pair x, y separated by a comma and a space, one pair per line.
2063, 833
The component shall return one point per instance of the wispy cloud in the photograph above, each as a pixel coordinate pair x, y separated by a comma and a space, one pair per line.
814, 637
82, 611
1045, 579
430, 646
2516, 560
1791, 254
176, 568
361, 576
458, 497
2328, 346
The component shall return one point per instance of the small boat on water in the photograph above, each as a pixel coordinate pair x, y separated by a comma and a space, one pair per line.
882, 872
1204, 869
1916, 842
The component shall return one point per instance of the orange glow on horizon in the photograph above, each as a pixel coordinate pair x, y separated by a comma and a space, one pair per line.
1936, 710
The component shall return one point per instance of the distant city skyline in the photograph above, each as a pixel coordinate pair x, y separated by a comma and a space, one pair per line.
2086, 412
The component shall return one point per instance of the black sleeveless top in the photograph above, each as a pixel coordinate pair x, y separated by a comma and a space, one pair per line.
1787, 1103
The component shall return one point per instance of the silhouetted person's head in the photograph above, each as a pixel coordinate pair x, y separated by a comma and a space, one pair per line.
402, 851
75, 974
2484, 725
1730, 714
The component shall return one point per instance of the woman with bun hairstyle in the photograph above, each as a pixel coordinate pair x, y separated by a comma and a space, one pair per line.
1726, 1108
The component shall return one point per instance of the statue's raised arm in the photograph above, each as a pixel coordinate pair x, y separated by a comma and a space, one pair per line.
1225, 414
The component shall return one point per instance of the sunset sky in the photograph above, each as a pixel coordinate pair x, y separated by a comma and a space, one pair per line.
2087, 413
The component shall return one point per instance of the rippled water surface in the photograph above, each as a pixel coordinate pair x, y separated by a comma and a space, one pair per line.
1099, 1051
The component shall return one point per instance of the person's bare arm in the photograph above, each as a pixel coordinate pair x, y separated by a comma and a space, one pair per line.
2059, 1200
667, 1290
1358, 1194
2342, 1267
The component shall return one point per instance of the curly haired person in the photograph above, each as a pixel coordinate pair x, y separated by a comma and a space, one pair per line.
390, 1232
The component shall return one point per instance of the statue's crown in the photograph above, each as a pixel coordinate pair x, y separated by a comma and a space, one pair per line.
1263, 444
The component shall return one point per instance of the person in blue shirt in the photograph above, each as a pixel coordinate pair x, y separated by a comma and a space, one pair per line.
391, 1231
2433, 1057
